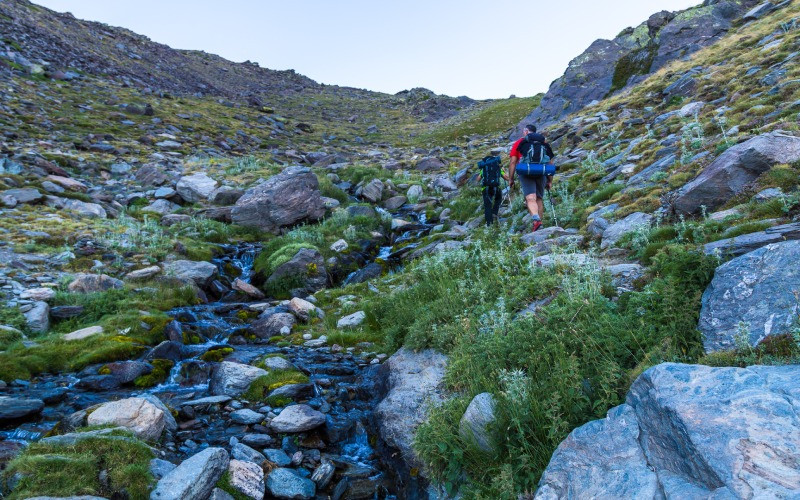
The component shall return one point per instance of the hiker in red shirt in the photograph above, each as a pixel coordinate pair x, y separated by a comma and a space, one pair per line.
533, 186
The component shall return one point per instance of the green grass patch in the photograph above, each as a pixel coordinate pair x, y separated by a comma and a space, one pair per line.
605, 193
63, 471
160, 373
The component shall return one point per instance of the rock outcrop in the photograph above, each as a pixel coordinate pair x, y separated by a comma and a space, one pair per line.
609, 65
195, 477
284, 200
688, 431
757, 290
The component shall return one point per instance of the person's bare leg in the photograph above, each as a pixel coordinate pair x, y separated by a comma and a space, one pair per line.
533, 203
540, 206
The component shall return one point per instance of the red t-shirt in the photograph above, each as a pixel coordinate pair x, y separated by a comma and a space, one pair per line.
515, 149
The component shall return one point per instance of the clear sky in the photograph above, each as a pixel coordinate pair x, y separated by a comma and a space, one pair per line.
482, 49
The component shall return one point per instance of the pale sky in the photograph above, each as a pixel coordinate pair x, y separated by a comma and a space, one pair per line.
482, 49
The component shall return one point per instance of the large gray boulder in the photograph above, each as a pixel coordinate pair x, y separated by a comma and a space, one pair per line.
194, 478
232, 379
301, 275
284, 200
735, 170
688, 431
195, 187
247, 478
757, 289
415, 382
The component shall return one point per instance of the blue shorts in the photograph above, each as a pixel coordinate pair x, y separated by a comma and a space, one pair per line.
532, 184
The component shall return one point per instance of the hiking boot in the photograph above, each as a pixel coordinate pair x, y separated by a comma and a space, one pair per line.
536, 225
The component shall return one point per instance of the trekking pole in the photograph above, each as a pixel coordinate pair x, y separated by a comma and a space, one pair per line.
552, 207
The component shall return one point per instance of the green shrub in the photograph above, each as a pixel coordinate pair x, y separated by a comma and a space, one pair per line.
216, 355
269, 258
160, 373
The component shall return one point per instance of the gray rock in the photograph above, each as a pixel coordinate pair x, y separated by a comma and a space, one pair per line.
284, 483
395, 202
601, 459
476, 420
305, 270
297, 418
735, 169
161, 207
189, 270
323, 474
373, 191
444, 183
160, 468
241, 451
415, 382
195, 187
37, 318
169, 421
284, 200
624, 275
740, 245
430, 163
247, 478
138, 415
272, 325
143, 274
218, 494
25, 195
246, 417
370, 271
756, 289
194, 478
91, 283
759, 11
12, 408
277, 363
632, 222
233, 379
173, 219
294, 391
91, 210
351, 320
414, 193
225, 195
687, 431
165, 192
278, 457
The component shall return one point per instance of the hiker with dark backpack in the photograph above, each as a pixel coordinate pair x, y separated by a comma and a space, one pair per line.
491, 173
532, 161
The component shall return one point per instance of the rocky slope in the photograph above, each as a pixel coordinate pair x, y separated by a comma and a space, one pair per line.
608, 66
295, 297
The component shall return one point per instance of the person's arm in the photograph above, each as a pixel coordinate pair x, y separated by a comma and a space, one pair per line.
549, 152
512, 167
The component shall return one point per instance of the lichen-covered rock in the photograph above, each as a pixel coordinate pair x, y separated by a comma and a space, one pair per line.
476, 420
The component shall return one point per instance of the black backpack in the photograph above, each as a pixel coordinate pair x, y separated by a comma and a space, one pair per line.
490, 171
537, 153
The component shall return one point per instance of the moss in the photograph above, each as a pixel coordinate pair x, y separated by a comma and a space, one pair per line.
63, 471
262, 386
269, 259
160, 373
225, 485
216, 355
605, 193
637, 62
